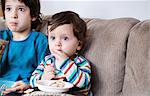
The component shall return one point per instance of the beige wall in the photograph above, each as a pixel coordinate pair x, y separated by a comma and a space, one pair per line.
104, 9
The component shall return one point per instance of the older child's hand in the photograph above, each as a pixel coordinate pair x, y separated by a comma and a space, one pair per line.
19, 87
49, 73
60, 57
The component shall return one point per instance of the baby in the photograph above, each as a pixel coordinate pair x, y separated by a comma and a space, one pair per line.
66, 36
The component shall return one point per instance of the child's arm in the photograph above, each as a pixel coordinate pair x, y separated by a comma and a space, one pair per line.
77, 72
48, 73
41, 46
36, 75
43, 71
18, 87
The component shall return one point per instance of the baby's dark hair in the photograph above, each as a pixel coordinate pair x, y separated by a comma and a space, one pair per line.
34, 6
69, 17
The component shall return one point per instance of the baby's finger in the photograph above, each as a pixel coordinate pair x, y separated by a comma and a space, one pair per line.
60, 54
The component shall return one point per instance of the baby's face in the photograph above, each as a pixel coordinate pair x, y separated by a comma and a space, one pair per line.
62, 39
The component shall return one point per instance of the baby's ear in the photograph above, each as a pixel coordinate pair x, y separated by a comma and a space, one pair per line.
33, 18
79, 46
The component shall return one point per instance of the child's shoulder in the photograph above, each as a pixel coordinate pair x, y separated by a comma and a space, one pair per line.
49, 59
5, 31
39, 36
80, 58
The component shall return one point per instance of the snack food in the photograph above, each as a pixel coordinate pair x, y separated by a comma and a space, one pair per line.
57, 84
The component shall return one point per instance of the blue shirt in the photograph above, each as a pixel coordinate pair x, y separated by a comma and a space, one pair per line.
20, 58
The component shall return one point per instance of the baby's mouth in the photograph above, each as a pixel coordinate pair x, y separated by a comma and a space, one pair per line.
59, 50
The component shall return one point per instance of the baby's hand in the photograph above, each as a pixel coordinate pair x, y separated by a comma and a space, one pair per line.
60, 57
49, 73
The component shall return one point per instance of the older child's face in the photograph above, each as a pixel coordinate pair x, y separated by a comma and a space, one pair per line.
17, 16
62, 39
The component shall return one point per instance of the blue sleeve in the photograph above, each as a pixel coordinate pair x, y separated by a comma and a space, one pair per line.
42, 47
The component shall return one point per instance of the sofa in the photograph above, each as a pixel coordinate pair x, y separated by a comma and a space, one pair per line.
119, 52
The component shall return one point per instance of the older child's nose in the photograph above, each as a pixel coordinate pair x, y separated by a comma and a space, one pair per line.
14, 14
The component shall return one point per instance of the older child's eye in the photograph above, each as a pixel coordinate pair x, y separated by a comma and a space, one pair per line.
52, 37
7, 9
22, 9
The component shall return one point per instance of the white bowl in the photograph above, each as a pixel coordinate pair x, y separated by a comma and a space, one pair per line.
43, 85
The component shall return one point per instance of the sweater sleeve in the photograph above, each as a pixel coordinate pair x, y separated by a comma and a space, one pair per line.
77, 72
41, 47
36, 75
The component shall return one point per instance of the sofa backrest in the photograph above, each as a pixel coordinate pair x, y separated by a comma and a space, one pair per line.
106, 50
137, 77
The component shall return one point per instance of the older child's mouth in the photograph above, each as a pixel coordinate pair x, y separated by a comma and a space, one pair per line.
13, 23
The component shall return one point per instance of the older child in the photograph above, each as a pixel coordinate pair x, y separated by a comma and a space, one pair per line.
66, 36
26, 48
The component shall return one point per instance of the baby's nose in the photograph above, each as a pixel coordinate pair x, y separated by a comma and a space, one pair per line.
58, 43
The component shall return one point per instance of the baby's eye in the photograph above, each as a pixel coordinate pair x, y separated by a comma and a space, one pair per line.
21, 9
66, 38
7, 9
52, 37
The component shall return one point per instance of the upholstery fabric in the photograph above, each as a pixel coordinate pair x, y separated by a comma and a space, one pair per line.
137, 75
106, 50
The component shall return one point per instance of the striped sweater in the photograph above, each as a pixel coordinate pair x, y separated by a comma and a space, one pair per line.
76, 71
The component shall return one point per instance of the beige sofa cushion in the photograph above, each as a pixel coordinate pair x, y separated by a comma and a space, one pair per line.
137, 77
106, 50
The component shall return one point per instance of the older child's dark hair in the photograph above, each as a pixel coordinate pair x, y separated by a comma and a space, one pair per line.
34, 6
69, 17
